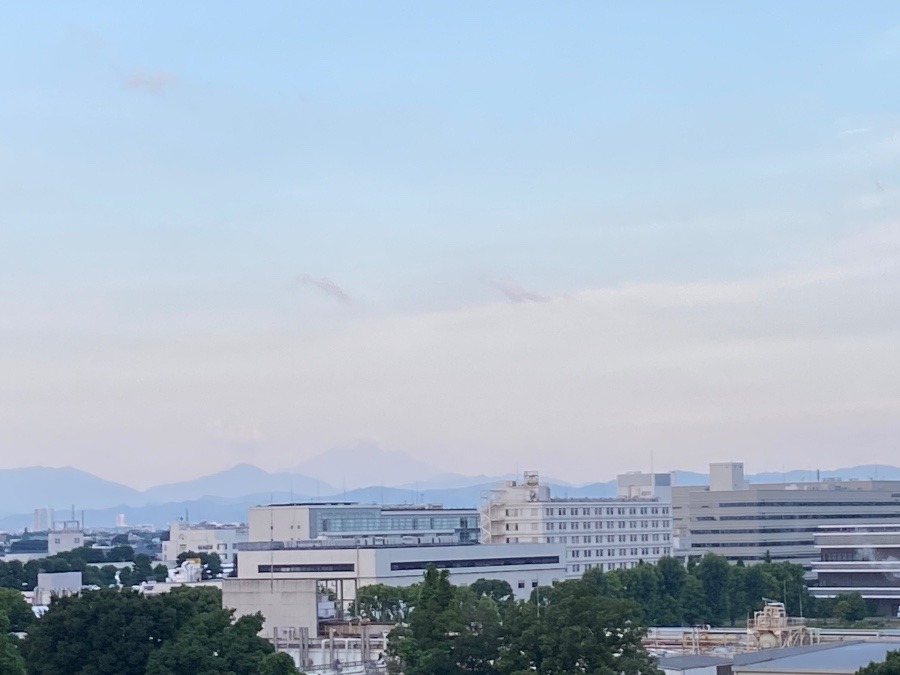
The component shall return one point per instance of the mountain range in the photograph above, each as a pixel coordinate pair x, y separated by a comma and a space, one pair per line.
225, 496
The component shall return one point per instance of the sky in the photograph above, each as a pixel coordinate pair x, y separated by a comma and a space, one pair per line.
557, 236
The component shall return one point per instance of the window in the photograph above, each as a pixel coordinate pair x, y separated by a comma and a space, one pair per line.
534, 584
475, 562
332, 567
521, 584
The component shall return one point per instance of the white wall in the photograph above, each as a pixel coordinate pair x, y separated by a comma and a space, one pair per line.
283, 602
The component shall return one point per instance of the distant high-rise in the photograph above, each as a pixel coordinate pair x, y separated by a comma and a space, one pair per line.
42, 520
120, 520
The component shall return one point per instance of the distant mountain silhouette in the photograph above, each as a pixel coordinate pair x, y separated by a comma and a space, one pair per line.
29, 488
367, 464
237, 481
225, 496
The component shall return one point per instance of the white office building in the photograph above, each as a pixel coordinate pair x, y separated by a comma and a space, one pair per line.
204, 538
774, 521
281, 579
604, 533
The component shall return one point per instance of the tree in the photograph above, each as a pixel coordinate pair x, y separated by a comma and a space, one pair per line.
496, 589
126, 576
712, 571
213, 565
850, 607
142, 568
450, 631
213, 644
160, 573
890, 666
379, 602
692, 601
11, 661
104, 632
120, 632
120, 554
577, 630
108, 575
278, 663
16, 610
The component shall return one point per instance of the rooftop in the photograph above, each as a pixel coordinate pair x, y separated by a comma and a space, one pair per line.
828, 660
341, 544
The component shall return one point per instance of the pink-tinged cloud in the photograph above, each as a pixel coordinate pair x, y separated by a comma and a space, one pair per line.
326, 285
153, 82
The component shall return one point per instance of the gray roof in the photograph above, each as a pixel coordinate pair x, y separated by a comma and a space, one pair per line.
691, 661
837, 659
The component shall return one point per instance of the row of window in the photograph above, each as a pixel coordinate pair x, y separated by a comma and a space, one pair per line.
610, 525
749, 544
610, 538
836, 504
599, 511
611, 552
609, 566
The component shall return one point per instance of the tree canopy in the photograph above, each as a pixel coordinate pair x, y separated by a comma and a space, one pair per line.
120, 632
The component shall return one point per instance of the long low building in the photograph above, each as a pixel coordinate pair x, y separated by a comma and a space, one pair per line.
751, 523
282, 579
862, 559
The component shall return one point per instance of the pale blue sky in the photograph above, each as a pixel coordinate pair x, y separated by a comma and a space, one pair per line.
172, 172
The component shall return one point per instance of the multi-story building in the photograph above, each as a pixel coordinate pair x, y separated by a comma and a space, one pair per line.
773, 521
862, 559
603, 533
65, 535
42, 520
419, 524
204, 538
282, 578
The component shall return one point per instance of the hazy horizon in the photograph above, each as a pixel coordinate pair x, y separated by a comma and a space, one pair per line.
488, 236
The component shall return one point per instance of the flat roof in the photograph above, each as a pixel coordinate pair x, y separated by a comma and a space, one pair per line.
691, 661
840, 659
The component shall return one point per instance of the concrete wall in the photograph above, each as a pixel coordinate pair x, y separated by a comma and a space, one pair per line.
279, 523
220, 540
283, 602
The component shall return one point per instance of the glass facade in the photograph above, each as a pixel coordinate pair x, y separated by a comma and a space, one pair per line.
461, 525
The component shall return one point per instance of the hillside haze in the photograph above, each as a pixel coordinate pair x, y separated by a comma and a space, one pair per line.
225, 496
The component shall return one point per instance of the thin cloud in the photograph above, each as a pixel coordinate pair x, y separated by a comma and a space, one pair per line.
325, 285
854, 132
153, 82
516, 293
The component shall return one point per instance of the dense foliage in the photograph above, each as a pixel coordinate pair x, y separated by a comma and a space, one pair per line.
92, 563
572, 627
120, 632
890, 666
591, 625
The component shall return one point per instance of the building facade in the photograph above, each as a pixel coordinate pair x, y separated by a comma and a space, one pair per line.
295, 570
420, 524
602, 533
757, 522
65, 535
862, 559
204, 538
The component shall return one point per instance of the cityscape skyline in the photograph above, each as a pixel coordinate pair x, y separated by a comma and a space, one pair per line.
487, 237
